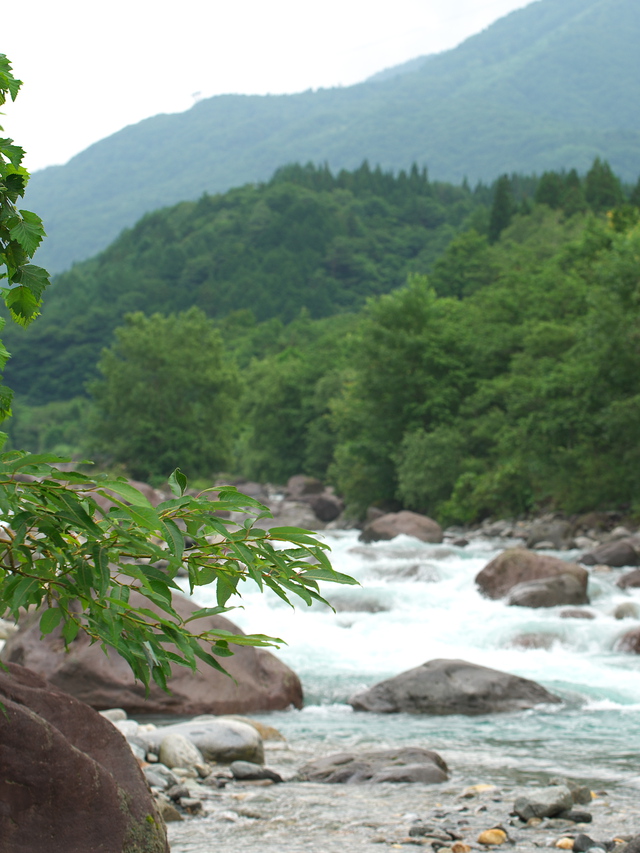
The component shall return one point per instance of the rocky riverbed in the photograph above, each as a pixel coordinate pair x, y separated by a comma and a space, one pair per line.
309, 816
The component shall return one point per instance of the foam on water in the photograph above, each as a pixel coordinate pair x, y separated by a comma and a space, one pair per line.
417, 602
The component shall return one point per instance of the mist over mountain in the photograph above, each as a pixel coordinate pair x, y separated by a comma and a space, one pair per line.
549, 86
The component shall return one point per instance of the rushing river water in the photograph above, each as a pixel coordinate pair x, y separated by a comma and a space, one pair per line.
417, 602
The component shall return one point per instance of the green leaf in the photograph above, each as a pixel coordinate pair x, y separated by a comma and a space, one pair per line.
178, 483
174, 538
329, 575
50, 619
125, 490
13, 153
27, 230
70, 630
208, 611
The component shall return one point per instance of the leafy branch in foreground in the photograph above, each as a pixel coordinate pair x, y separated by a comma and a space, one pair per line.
21, 231
59, 550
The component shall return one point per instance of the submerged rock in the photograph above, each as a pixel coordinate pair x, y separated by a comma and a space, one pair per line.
411, 764
518, 566
629, 642
630, 580
452, 687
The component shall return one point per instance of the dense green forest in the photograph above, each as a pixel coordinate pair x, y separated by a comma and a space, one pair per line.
477, 353
549, 86
305, 240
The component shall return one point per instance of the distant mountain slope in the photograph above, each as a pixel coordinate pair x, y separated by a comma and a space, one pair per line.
548, 86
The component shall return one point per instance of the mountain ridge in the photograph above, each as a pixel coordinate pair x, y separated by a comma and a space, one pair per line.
542, 88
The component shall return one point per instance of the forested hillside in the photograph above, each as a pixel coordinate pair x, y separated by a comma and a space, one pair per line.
549, 86
305, 240
498, 375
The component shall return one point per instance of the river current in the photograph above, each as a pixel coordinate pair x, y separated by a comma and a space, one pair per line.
418, 602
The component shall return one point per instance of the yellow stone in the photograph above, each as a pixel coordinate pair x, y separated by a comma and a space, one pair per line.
474, 790
460, 847
565, 843
492, 836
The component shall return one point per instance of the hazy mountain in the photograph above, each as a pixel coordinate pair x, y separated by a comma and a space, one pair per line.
548, 86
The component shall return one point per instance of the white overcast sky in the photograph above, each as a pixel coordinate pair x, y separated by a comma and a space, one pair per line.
90, 68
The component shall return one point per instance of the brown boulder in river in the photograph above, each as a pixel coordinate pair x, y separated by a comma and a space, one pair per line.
452, 687
262, 682
69, 780
517, 565
410, 523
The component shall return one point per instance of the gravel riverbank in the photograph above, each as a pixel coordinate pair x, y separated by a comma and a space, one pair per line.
304, 816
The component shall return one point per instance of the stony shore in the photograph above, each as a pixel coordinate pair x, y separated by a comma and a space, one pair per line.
305, 816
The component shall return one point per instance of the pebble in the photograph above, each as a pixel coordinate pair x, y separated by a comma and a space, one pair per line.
474, 790
492, 837
565, 843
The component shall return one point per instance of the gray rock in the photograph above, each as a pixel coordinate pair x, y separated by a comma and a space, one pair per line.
555, 534
543, 802
247, 770
582, 843
139, 751
617, 554
176, 750
409, 523
326, 506
411, 764
160, 776
576, 816
632, 846
219, 740
548, 592
116, 715
129, 728
452, 687
300, 487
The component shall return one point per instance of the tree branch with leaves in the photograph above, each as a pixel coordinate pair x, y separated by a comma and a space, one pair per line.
61, 551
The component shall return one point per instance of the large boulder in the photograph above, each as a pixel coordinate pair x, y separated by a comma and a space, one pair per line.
410, 764
392, 524
617, 554
218, 740
517, 565
558, 533
69, 781
548, 592
259, 682
452, 687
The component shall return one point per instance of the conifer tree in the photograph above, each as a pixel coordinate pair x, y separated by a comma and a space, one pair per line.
602, 188
502, 209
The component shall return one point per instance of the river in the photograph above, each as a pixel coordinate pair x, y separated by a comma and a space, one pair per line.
418, 602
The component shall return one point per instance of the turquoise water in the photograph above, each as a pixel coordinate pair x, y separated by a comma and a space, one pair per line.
426, 606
